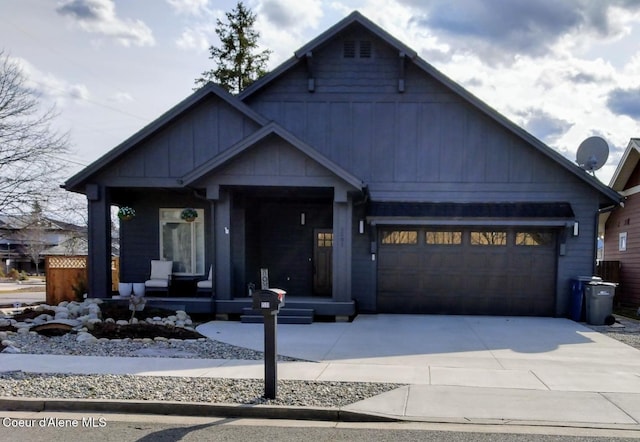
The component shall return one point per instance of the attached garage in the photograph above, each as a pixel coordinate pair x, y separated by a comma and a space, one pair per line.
503, 267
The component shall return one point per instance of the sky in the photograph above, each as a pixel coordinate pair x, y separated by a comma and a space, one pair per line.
563, 70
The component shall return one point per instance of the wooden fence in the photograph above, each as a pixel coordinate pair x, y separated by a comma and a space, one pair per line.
609, 271
67, 277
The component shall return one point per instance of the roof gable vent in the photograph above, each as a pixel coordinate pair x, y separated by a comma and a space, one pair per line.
349, 49
357, 49
365, 49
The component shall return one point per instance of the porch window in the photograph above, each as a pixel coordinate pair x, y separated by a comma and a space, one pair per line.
182, 242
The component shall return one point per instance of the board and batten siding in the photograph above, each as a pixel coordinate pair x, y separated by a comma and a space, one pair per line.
191, 139
424, 144
140, 237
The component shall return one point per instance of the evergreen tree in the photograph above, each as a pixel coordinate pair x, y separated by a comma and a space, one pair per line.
238, 64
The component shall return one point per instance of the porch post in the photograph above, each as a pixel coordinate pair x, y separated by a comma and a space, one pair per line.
99, 239
342, 240
222, 226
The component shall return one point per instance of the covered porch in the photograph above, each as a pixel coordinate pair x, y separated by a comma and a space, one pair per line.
277, 204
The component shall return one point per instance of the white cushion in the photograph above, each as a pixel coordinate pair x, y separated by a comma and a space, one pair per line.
206, 284
210, 278
161, 269
157, 283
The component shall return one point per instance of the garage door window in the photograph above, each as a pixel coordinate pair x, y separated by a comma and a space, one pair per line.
533, 238
488, 238
399, 237
443, 238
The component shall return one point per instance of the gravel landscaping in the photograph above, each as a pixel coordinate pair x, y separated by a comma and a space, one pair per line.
129, 387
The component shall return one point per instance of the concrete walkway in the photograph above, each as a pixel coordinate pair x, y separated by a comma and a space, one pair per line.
24, 292
449, 368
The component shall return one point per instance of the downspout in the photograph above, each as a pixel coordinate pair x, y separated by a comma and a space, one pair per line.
596, 225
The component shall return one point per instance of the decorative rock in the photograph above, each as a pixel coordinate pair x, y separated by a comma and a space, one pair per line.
63, 314
43, 317
11, 349
122, 322
90, 323
110, 321
23, 330
160, 339
86, 337
181, 315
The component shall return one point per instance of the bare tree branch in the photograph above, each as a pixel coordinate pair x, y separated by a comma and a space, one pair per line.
29, 148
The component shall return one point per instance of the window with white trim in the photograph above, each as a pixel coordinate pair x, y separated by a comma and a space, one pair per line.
182, 242
622, 242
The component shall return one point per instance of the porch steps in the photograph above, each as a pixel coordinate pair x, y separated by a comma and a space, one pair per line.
285, 316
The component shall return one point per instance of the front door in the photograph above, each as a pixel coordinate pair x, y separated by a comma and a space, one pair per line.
322, 261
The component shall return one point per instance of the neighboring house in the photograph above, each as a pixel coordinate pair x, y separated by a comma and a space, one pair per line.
622, 226
362, 178
25, 240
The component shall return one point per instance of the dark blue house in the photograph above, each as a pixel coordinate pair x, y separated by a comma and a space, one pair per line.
362, 178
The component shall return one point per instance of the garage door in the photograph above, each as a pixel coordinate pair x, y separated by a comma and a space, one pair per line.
467, 271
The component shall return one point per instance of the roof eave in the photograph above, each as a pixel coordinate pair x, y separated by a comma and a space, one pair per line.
518, 131
626, 165
354, 17
271, 128
74, 183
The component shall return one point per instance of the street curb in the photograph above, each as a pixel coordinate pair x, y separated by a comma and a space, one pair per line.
189, 409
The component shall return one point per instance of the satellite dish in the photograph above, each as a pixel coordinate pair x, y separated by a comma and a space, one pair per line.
592, 154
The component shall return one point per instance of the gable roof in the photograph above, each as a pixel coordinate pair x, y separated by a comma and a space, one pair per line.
626, 166
250, 141
357, 18
182, 107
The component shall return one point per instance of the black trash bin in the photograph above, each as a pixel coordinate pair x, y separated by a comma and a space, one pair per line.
599, 300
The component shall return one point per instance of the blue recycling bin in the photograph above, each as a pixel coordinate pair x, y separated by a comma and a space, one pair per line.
578, 304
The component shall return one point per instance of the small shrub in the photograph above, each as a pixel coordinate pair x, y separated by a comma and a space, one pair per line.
79, 289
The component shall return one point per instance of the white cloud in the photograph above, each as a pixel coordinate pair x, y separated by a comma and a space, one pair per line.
293, 15
197, 38
190, 7
99, 17
122, 97
500, 30
49, 87
78, 92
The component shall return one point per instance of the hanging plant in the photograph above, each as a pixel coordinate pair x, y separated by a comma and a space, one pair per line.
126, 213
189, 214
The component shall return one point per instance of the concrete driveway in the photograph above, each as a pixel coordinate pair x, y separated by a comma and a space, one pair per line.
463, 368
477, 351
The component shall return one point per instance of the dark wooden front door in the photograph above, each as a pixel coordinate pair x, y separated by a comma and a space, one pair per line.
322, 261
